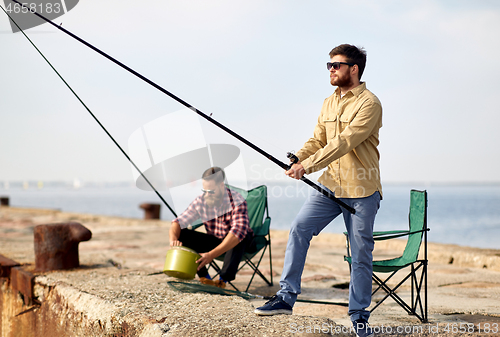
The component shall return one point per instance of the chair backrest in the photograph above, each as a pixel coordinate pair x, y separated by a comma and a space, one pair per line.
418, 224
257, 204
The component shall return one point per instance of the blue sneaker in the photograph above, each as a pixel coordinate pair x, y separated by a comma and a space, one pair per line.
362, 328
274, 306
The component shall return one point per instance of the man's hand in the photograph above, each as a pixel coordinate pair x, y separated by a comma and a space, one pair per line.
175, 243
296, 171
205, 259
229, 242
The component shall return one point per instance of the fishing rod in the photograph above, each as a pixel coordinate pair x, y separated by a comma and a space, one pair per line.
93, 116
189, 106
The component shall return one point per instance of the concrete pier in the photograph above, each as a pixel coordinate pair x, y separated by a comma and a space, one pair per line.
119, 288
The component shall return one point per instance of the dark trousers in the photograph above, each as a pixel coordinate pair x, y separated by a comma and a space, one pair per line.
202, 243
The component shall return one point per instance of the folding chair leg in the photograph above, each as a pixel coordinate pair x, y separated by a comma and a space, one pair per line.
254, 266
425, 292
381, 284
391, 292
217, 270
270, 264
256, 270
416, 287
232, 285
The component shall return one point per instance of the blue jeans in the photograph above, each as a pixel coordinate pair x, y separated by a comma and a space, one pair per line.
316, 213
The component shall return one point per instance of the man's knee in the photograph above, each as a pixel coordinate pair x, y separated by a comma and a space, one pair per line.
242, 246
192, 239
302, 231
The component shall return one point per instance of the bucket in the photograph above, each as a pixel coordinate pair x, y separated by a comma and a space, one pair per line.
181, 262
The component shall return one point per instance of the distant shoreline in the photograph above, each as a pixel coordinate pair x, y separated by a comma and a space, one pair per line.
470, 209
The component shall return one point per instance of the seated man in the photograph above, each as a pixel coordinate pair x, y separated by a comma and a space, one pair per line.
224, 214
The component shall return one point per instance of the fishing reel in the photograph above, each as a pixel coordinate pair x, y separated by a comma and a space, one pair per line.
293, 159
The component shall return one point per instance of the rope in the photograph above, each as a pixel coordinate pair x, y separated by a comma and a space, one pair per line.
90, 112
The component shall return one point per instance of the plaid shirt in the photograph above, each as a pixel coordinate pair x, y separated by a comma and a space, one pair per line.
230, 217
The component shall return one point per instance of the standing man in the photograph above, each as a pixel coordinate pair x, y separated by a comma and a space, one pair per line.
225, 216
345, 140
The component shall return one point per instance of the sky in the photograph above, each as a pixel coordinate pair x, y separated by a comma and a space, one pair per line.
259, 68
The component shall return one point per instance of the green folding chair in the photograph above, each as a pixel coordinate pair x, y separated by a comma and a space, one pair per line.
260, 222
418, 230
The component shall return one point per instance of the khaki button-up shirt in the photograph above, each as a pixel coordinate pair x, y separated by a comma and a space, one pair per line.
346, 139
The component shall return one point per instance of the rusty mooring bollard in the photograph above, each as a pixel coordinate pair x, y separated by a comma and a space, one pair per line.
4, 201
151, 211
56, 245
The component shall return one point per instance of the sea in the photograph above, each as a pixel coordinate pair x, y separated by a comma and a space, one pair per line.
462, 214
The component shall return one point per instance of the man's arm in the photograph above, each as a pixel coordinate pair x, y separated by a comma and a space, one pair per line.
361, 127
174, 234
318, 141
313, 145
187, 217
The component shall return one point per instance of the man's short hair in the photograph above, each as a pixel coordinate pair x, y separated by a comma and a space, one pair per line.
353, 54
214, 173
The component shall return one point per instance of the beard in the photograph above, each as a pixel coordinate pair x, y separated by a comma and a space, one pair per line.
341, 81
213, 200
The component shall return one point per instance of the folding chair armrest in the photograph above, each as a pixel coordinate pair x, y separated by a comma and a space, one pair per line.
384, 235
379, 236
387, 235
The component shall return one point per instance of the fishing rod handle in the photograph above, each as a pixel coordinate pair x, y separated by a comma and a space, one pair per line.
293, 158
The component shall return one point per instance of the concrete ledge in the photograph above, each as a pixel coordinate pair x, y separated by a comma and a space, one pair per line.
119, 289
66, 311
105, 301
58, 309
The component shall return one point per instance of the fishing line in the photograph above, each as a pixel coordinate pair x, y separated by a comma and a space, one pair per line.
90, 112
189, 106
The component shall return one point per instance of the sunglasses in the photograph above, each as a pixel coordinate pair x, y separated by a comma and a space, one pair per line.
208, 191
336, 65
